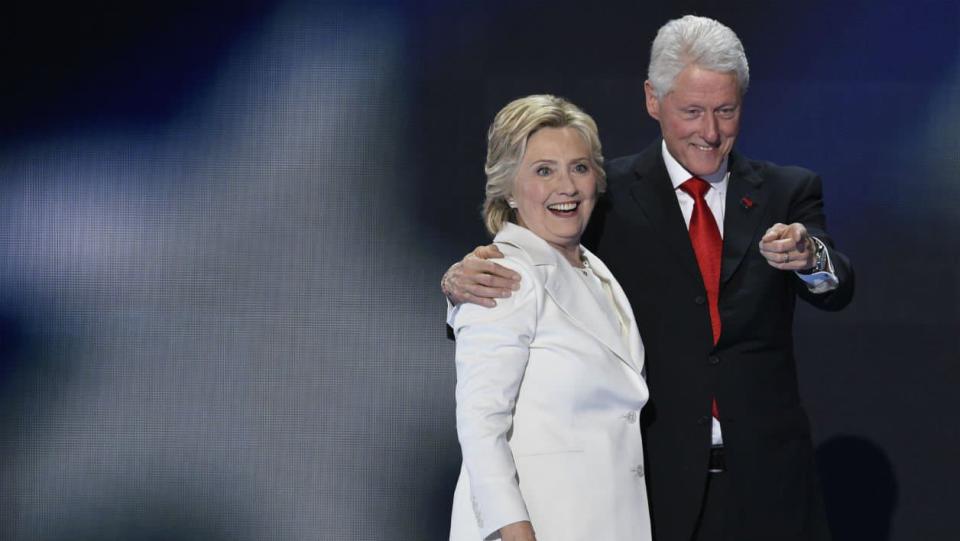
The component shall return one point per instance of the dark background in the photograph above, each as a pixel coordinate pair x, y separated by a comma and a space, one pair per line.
222, 226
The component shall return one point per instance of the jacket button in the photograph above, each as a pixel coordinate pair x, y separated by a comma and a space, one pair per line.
631, 417
713, 359
700, 299
638, 471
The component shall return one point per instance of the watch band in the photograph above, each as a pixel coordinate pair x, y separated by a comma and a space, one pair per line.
819, 257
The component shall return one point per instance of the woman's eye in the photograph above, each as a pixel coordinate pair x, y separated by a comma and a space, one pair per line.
543, 171
581, 168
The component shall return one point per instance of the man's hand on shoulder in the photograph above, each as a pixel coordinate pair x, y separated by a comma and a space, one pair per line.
788, 247
475, 279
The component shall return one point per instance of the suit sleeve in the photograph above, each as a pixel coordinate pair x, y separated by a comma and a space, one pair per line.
491, 356
807, 208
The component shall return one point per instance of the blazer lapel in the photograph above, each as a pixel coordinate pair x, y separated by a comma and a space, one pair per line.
656, 202
562, 285
745, 207
634, 343
565, 287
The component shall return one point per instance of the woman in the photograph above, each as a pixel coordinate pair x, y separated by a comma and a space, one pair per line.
549, 382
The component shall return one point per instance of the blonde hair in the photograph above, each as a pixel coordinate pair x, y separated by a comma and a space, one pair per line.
507, 143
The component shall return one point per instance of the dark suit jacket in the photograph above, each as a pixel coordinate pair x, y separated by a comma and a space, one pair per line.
639, 231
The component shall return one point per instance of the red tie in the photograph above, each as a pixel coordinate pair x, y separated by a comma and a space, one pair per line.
708, 247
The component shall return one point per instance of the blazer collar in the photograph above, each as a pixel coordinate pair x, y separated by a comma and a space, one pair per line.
636, 353
565, 287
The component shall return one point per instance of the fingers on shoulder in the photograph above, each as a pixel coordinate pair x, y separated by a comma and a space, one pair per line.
490, 270
524, 299
518, 268
487, 251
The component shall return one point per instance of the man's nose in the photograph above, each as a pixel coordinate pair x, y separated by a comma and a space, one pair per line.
710, 129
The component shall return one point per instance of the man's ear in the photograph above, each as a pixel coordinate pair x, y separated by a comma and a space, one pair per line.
653, 104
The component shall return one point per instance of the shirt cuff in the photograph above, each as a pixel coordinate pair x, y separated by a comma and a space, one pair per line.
496, 506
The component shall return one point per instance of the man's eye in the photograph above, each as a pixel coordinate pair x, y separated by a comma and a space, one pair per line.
543, 171
728, 112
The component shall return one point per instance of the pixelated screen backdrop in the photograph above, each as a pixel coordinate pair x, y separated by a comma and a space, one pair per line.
223, 225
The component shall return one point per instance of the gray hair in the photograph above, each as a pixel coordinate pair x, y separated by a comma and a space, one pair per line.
698, 41
507, 143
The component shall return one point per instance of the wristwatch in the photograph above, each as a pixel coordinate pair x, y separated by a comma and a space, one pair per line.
819, 257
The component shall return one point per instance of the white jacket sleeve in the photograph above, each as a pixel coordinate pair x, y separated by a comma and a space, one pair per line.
492, 352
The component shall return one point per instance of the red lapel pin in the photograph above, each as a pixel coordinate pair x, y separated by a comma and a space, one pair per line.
746, 203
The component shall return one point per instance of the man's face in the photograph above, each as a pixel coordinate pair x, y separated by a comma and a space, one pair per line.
699, 118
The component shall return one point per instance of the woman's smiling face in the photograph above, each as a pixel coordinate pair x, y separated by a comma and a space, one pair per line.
556, 188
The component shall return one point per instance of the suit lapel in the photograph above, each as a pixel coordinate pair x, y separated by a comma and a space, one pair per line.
634, 343
583, 309
746, 205
653, 195
565, 287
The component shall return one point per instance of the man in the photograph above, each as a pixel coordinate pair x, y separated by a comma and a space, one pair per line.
712, 249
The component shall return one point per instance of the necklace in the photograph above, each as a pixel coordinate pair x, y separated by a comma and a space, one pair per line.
585, 269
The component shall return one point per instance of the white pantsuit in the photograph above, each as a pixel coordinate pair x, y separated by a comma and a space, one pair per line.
549, 393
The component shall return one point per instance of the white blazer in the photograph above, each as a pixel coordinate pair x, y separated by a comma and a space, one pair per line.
549, 393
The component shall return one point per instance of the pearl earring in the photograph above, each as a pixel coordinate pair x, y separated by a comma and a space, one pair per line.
511, 203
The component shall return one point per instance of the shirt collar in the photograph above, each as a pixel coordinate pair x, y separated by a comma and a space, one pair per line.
679, 175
